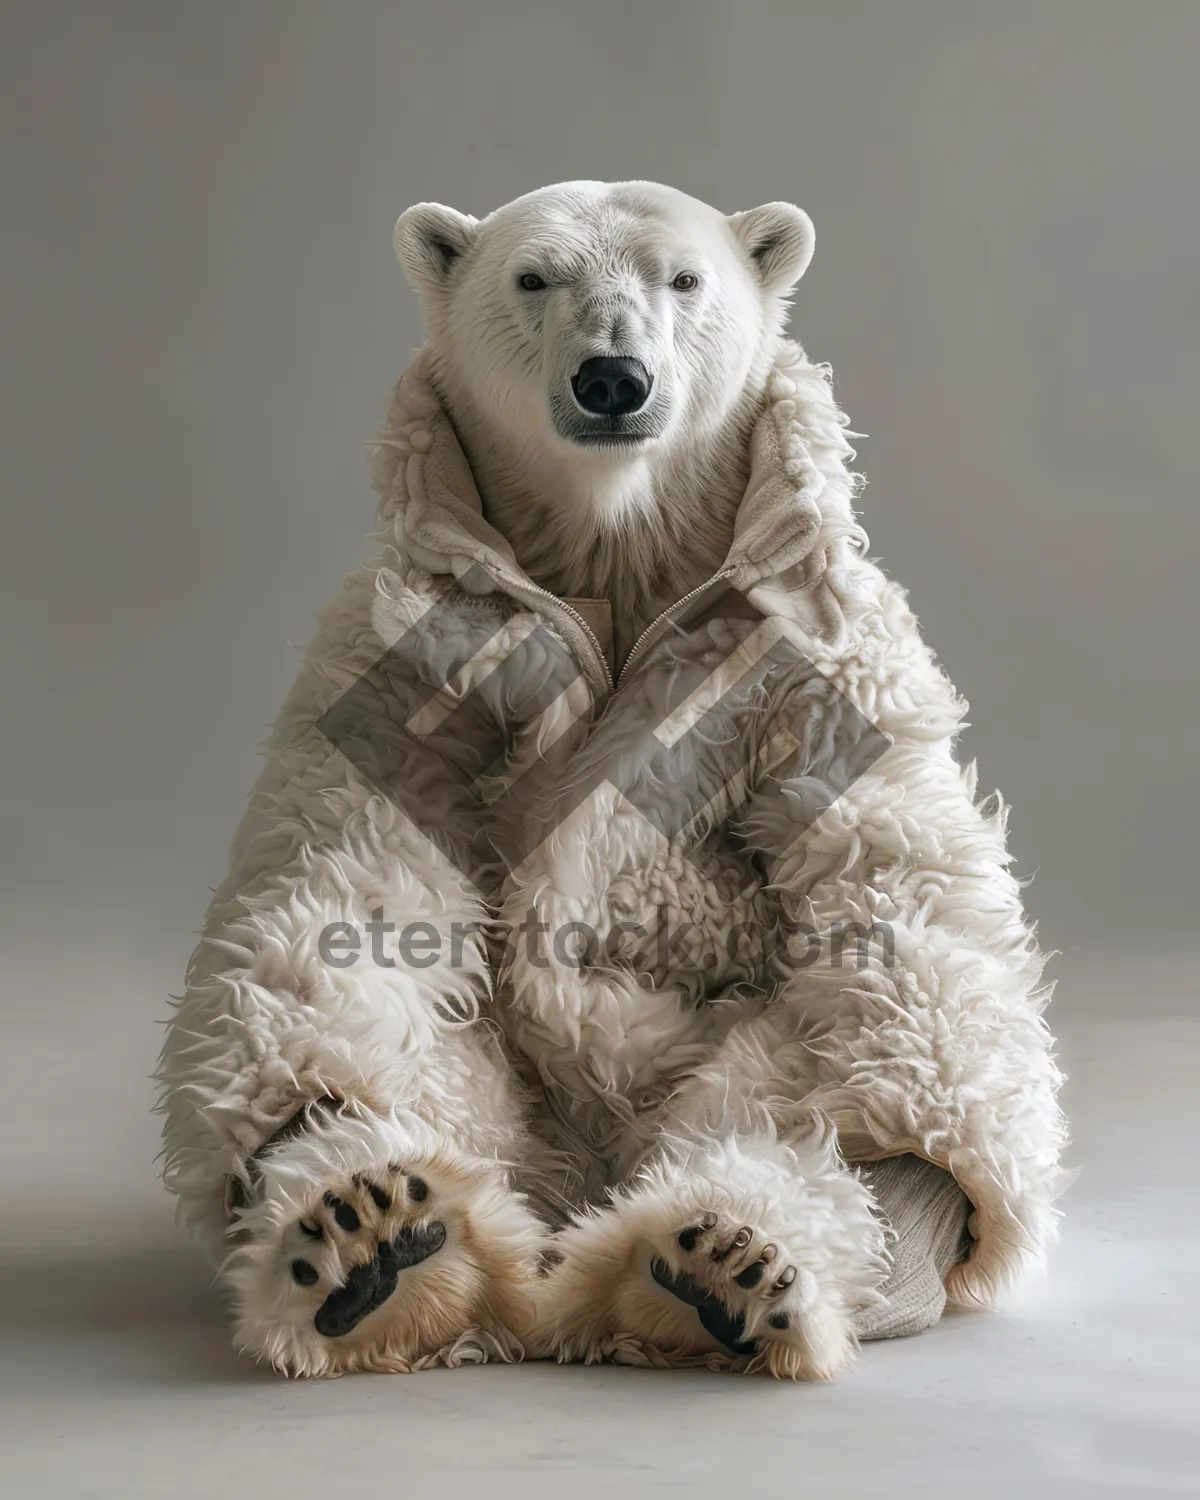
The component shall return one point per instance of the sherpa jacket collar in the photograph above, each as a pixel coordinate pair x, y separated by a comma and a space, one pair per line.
792, 526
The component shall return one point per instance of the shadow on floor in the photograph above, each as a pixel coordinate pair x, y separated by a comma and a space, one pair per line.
146, 1312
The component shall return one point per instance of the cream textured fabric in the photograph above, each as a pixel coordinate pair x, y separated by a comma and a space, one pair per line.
926, 1212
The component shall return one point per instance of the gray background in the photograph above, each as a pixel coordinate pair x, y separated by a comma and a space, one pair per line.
202, 312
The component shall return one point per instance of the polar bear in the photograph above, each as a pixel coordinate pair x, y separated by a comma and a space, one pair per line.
641, 435
606, 475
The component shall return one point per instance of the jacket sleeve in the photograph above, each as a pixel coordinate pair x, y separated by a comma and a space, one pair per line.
354, 891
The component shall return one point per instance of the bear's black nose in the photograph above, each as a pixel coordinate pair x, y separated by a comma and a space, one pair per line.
611, 387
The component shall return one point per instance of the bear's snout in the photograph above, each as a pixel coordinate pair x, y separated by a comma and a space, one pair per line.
611, 386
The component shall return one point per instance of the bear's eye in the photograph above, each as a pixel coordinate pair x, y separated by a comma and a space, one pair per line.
686, 281
531, 282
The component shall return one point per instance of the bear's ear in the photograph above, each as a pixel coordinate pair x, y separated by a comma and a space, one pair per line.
430, 240
779, 239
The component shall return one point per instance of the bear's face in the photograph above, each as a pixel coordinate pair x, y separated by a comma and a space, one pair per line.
606, 319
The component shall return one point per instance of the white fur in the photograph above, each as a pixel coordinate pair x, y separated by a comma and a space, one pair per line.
676, 1104
640, 527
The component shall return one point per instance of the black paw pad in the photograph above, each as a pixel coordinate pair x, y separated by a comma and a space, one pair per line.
682, 1287
688, 1238
412, 1246
304, 1273
751, 1276
715, 1318
381, 1199
345, 1216
418, 1189
726, 1327
779, 1320
368, 1287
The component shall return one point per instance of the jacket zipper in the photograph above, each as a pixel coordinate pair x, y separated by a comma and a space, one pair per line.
591, 635
653, 629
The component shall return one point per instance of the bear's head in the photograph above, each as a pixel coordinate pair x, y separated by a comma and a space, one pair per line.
603, 319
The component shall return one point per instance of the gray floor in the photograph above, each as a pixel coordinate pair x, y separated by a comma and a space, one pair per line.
119, 1380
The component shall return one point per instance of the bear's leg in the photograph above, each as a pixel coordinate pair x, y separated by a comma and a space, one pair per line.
749, 1251
367, 1245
